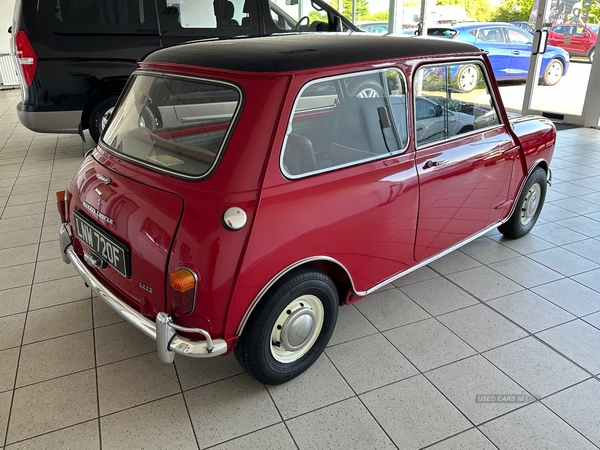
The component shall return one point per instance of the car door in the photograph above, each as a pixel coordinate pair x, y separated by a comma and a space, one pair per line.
349, 189
520, 46
492, 41
464, 174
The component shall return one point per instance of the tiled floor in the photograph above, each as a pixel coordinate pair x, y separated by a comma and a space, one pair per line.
408, 367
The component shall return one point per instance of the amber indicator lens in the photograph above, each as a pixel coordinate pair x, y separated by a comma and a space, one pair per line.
62, 202
182, 280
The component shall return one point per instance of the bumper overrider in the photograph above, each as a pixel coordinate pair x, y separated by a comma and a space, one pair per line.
163, 330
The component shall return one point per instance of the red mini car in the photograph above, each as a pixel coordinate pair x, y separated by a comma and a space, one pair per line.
244, 190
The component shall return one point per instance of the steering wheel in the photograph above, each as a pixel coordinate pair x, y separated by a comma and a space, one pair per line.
297, 27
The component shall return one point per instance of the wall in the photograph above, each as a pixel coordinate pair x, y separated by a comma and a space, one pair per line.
7, 7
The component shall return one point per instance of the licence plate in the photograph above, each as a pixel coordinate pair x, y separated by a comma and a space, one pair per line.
106, 247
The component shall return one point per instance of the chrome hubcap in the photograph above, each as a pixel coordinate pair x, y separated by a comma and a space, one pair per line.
297, 328
554, 72
368, 93
105, 118
531, 203
468, 79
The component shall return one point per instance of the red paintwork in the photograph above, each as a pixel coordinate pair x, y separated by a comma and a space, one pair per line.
577, 44
376, 219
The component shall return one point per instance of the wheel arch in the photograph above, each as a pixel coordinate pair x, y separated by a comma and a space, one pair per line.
538, 163
109, 89
329, 266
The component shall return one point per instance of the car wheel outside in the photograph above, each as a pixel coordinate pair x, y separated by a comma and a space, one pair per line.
529, 206
553, 72
367, 89
289, 329
467, 78
100, 115
591, 54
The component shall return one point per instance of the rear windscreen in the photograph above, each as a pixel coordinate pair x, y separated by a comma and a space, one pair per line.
176, 125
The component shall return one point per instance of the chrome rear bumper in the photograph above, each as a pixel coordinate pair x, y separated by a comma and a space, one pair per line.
163, 330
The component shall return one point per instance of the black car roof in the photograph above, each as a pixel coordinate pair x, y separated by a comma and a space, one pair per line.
294, 52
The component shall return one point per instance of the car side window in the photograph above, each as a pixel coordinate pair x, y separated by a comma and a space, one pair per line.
344, 121
493, 35
518, 37
207, 17
99, 16
451, 100
298, 15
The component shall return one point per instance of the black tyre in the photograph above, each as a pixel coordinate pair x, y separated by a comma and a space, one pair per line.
467, 78
100, 115
529, 206
591, 54
289, 329
553, 72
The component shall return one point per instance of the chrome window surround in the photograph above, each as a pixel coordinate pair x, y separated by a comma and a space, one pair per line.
224, 143
353, 163
457, 136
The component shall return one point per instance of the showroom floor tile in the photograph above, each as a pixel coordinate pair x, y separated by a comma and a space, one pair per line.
493, 346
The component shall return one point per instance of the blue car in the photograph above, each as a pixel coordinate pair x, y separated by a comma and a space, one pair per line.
509, 49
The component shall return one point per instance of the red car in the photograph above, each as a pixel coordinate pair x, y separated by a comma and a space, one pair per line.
244, 190
577, 40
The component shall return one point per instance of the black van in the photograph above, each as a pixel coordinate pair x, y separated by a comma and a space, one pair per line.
74, 56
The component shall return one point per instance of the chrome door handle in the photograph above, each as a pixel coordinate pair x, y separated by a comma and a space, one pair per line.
429, 164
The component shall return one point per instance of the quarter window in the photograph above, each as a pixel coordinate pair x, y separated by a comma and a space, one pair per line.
345, 121
451, 100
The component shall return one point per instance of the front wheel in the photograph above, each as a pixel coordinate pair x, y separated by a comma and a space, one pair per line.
553, 73
290, 328
591, 55
529, 206
100, 115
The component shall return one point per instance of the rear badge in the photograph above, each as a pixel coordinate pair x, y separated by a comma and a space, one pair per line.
100, 215
146, 288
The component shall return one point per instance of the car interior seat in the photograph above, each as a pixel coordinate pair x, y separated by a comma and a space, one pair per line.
299, 156
227, 12
493, 36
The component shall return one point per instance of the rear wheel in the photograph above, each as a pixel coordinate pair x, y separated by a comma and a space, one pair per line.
100, 115
290, 328
529, 206
553, 73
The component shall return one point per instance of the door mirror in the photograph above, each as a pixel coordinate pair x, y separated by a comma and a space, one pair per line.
585, 34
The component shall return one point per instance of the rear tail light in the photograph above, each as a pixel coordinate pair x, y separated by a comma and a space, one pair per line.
183, 290
62, 202
26, 57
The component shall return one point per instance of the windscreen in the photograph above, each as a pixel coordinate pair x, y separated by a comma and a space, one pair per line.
176, 125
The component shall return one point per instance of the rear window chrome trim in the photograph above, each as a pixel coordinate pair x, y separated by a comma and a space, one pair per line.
160, 74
